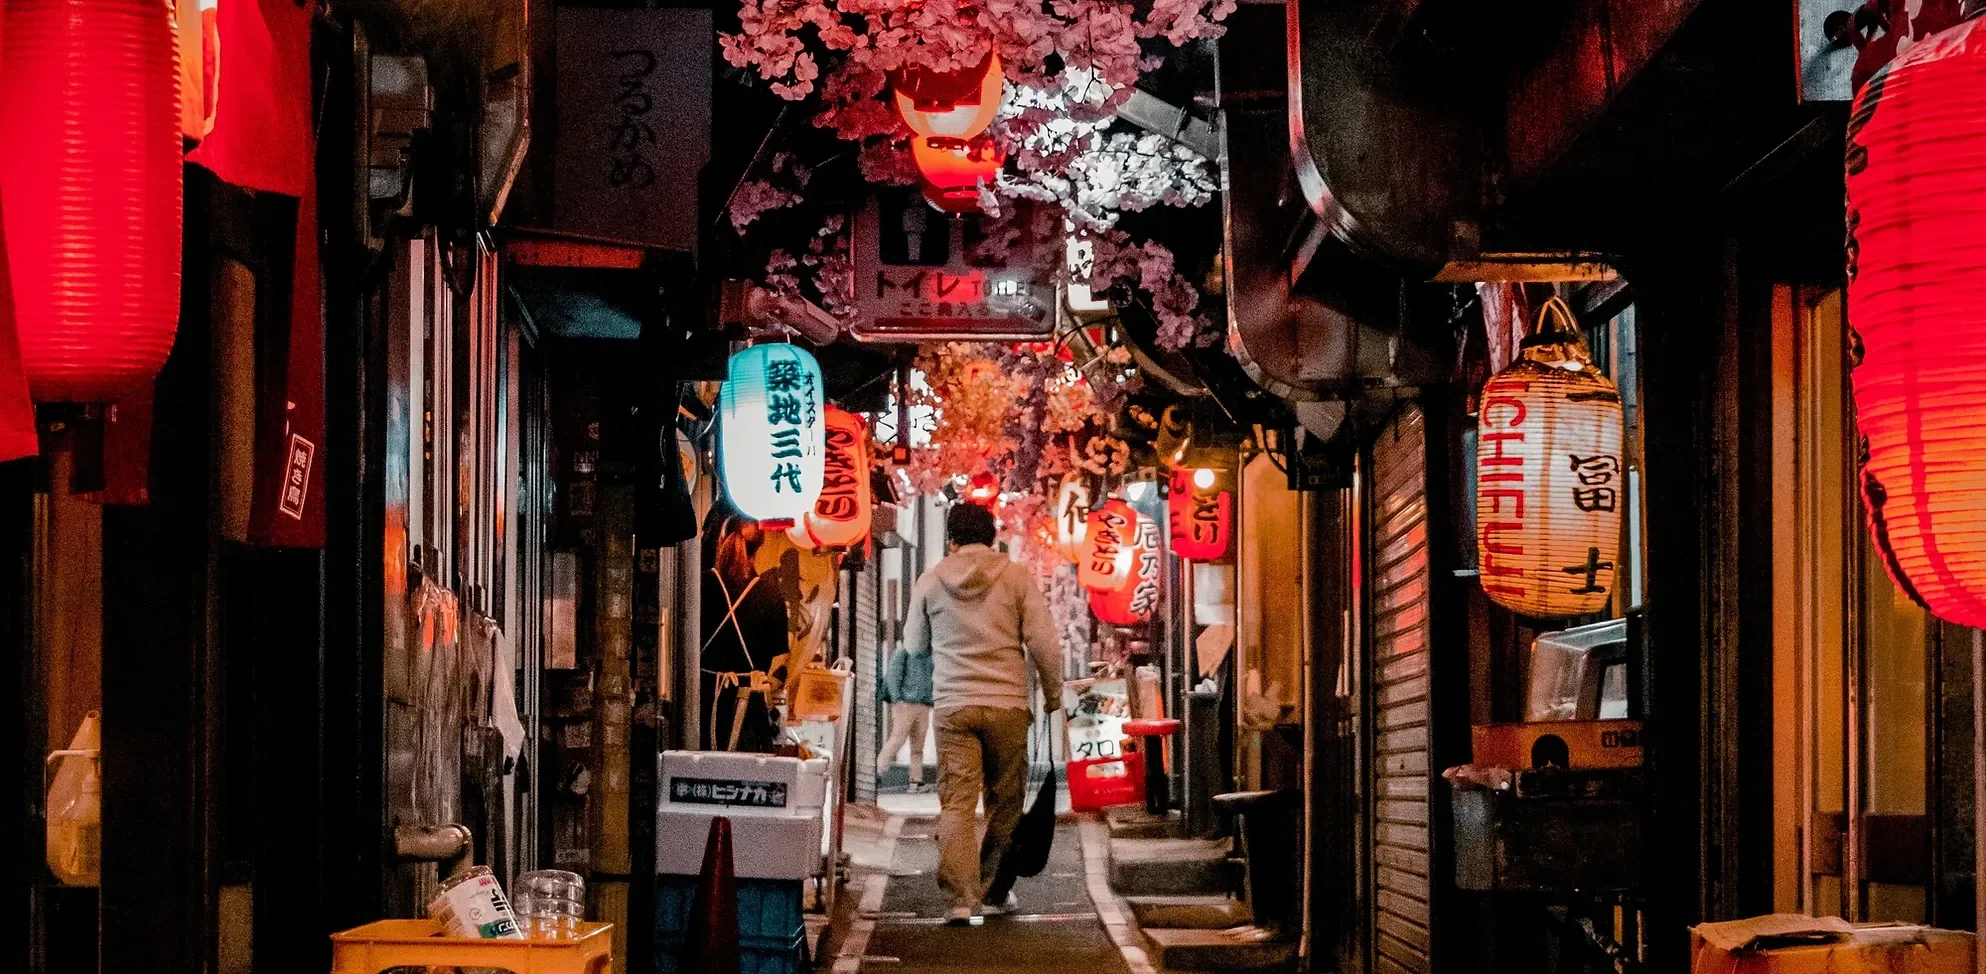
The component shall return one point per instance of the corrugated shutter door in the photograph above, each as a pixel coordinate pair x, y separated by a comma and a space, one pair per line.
867, 660
1399, 587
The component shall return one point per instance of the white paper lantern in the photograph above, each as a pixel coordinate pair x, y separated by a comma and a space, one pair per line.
1550, 478
1072, 508
773, 427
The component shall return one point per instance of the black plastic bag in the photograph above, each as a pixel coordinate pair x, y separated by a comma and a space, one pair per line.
1034, 837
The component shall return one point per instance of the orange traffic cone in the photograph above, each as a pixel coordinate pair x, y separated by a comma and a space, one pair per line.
712, 944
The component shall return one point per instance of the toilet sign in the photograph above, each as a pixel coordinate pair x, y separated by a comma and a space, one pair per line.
914, 281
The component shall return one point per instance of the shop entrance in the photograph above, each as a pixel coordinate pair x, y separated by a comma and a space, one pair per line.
1854, 656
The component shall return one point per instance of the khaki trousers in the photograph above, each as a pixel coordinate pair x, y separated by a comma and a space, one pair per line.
981, 751
908, 722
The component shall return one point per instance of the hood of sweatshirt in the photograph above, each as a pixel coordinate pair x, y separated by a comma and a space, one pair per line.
969, 573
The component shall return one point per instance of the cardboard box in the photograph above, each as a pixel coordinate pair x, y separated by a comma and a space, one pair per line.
1783, 944
1587, 744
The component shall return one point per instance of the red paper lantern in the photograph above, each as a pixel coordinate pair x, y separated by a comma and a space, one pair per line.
949, 107
1109, 547
1201, 515
983, 489
92, 179
842, 512
953, 175
1550, 484
1134, 602
1916, 289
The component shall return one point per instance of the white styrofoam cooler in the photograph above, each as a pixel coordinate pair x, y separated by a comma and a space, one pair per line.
762, 846
774, 804
743, 784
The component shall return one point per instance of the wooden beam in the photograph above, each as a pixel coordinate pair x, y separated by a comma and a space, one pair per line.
1527, 268
559, 252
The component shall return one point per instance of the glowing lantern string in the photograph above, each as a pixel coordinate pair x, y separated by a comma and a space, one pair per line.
92, 177
841, 514
1549, 478
1201, 518
773, 432
1109, 548
949, 107
1916, 174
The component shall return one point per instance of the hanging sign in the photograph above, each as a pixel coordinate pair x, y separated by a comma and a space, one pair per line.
914, 280
841, 513
773, 432
1108, 549
1200, 515
1072, 508
1550, 483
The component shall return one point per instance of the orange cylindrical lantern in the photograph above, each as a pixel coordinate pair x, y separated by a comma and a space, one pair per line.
1550, 483
842, 512
949, 106
953, 175
1109, 548
1134, 602
1072, 508
1200, 515
1917, 300
92, 179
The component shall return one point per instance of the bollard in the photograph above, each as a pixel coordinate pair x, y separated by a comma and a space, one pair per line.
711, 946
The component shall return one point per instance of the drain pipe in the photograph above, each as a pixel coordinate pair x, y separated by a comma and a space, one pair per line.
447, 845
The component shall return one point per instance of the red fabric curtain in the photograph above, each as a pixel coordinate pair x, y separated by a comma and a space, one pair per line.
260, 137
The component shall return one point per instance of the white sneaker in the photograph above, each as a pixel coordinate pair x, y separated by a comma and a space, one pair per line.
918, 788
961, 916
1002, 908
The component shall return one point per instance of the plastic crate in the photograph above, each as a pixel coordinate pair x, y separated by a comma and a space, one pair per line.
772, 927
390, 944
1103, 782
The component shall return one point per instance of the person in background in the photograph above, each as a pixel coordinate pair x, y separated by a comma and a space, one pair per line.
983, 621
907, 687
744, 634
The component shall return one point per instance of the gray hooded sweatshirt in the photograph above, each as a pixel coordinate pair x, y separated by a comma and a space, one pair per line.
974, 612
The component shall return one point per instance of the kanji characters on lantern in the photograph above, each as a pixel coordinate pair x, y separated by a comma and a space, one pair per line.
1916, 287
841, 514
1549, 478
1200, 515
773, 432
1134, 602
1072, 508
1109, 549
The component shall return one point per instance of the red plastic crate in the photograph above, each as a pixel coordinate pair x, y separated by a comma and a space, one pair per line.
1103, 782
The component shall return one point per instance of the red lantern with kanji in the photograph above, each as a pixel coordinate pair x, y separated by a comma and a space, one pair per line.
1134, 602
842, 512
1917, 302
949, 107
1109, 547
1201, 515
92, 180
953, 176
1550, 484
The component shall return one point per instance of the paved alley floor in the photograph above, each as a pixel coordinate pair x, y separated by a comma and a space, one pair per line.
899, 928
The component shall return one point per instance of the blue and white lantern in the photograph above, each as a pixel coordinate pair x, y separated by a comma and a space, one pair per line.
773, 424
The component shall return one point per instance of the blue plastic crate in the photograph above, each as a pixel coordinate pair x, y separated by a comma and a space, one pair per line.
769, 910
772, 930
790, 958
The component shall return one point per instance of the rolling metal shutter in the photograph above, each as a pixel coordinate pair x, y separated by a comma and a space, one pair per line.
1399, 587
868, 660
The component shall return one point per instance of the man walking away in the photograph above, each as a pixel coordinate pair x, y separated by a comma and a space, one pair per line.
983, 620
907, 687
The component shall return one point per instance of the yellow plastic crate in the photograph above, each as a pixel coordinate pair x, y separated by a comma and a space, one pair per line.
388, 944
